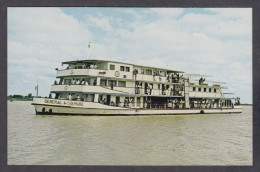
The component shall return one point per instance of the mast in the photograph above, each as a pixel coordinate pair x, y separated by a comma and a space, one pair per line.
186, 93
37, 89
90, 42
37, 86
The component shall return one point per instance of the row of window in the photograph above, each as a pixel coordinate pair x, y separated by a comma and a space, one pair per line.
153, 72
143, 71
146, 72
122, 68
205, 89
113, 82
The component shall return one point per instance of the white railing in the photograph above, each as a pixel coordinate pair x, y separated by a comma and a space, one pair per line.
110, 73
82, 88
150, 78
108, 90
198, 94
68, 72
94, 72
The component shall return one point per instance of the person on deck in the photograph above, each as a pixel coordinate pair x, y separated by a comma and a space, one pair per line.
69, 96
104, 101
150, 88
112, 103
73, 81
78, 98
95, 82
181, 104
130, 103
125, 103
112, 85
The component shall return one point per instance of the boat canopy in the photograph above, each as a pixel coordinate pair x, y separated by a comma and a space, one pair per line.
102, 61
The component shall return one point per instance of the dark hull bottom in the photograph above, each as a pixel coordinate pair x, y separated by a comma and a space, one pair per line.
78, 114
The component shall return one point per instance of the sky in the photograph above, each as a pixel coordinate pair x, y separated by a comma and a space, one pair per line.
208, 41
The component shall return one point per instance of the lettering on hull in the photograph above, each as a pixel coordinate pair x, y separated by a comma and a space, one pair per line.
68, 103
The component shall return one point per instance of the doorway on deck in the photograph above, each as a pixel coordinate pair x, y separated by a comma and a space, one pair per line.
138, 101
117, 100
108, 99
57, 95
144, 102
163, 88
145, 88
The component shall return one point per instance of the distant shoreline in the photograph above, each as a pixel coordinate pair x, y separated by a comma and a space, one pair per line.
20, 99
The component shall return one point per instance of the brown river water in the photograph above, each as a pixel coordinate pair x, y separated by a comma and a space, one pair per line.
215, 139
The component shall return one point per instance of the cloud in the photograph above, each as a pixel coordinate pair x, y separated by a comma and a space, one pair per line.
232, 13
100, 22
166, 12
38, 40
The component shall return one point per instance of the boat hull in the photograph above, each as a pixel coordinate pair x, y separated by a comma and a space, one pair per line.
65, 107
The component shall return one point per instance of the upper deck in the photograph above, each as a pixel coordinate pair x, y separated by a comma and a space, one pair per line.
129, 79
118, 70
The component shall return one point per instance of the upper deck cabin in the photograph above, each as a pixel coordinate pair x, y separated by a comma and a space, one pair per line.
118, 70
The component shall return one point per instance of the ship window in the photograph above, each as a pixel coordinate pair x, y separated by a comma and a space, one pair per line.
194, 88
148, 72
121, 83
112, 67
127, 69
88, 98
205, 89
199, 89
142, 71
110, 82
122, 68
103, 83
215, 90
209, 89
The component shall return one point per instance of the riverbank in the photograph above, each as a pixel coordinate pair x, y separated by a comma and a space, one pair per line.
20, 99
246, 104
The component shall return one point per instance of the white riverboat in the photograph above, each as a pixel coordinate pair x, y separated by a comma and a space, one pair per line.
102, 87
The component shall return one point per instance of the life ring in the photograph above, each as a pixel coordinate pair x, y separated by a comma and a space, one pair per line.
71, 72
117, 73
66, 87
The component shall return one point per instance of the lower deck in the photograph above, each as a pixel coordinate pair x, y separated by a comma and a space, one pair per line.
65, 107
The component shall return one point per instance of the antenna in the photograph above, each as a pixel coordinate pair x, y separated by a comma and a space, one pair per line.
89, 43
37, 89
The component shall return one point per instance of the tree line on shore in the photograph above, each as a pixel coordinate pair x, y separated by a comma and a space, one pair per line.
17, 97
